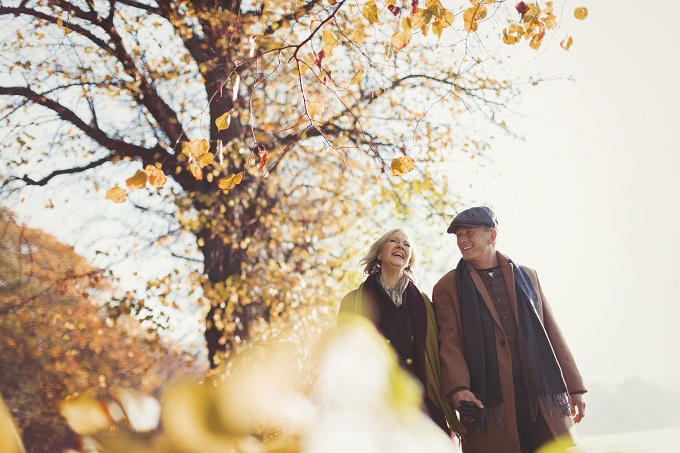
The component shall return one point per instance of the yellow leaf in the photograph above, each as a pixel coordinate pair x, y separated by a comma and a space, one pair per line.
230, 181
567, 42
195, 148
85, 415
370, 11
512, 34
205, 159
437, 29
402, 165
581, 13
535, 42
302, 71
401, 39
472, 15
196, 171
357, 77
406, 24
137, 181
314, 108
550, 23
115, 194
60, 22
447, 19
156, 176
328, 38
223, 121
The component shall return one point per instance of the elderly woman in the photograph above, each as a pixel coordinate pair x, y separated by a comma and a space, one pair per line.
403, 315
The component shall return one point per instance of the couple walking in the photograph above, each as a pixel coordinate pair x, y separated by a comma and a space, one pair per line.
487, 345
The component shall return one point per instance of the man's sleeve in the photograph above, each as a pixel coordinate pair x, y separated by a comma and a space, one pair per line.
572, 377
454, 371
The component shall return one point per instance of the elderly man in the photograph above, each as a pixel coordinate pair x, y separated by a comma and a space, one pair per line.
505, 365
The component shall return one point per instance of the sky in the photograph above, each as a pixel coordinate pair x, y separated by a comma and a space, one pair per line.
590, 198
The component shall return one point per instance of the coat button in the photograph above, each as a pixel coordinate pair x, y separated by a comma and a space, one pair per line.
502, 342
409, 361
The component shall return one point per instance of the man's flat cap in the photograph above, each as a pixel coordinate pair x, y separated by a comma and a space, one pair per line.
479, 215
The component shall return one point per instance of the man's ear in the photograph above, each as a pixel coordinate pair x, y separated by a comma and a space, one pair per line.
494, 233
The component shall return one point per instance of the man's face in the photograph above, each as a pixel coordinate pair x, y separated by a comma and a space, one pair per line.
475, 243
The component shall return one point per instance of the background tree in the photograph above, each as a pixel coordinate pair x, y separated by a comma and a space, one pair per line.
55, 340
274, 124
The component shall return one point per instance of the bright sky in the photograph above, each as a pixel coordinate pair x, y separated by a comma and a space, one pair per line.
590, 199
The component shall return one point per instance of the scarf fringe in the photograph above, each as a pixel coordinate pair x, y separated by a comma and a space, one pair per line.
489, 416
558, 400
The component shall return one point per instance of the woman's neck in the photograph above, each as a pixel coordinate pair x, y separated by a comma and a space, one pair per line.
391, 276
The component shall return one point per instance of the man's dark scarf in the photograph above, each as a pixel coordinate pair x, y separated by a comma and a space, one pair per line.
542, 373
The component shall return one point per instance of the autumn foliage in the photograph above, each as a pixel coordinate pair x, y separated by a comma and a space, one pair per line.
55, 339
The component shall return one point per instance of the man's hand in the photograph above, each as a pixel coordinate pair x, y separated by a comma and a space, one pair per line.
578, 407
465, 402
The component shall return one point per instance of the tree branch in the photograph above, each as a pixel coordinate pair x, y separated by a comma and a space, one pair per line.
120, 147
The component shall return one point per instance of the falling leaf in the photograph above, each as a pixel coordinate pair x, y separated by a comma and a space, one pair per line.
85, 415
223, 121
370, 11
156, 176
402, 165
581, 13
115, 194
137, 181
230, 181
567, 42
357, 77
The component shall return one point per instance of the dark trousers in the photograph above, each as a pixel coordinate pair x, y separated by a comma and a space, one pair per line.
532, 435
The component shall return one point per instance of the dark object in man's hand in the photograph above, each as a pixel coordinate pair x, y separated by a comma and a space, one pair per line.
468, 410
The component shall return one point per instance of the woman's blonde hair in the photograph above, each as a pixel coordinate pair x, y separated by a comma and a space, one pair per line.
371, 263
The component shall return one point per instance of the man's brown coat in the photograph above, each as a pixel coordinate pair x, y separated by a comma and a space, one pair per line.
454, 370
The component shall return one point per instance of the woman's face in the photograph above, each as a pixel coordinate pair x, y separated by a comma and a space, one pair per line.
396, 253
